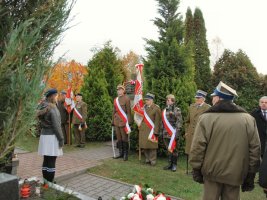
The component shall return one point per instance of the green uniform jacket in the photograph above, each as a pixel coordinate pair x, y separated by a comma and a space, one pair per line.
154, 114
126, 107
225, 147
82, 108
191, 122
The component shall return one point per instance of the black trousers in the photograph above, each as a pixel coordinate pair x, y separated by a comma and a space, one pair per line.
49, 168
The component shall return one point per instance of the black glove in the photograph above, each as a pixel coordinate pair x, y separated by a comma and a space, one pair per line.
248, 184
197, 176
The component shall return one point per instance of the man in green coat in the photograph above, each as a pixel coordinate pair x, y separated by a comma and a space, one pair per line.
149, 129
225, 151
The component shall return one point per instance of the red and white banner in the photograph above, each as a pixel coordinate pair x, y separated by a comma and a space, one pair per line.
171, 131
69, 103
138, 105
152, 137
122, 115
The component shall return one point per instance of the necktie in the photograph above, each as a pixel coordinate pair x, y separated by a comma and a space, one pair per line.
265, 115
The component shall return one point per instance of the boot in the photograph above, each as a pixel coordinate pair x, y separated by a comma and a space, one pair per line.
119, 143
125, 150
174, 163
169, 166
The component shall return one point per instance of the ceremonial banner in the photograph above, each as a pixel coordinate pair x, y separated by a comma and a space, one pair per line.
122, 115
171, 131
138, 105
69, 103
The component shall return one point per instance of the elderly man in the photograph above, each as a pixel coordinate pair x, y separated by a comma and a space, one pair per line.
260, 115
149, 129
225, 151
195, 110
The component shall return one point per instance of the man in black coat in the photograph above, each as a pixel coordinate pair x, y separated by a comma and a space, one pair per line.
260, 115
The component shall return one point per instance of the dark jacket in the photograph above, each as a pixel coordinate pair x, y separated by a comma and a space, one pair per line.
263, 171
262, 127
226, 145
63, 112
50, 121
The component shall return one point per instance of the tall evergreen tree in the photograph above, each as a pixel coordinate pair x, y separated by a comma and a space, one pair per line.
99, 103
29, 32
169, 66
237, 70
189, 26
105, 72
107, 59
201, 53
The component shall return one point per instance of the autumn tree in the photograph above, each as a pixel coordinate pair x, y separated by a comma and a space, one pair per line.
237, 70
29, 32
65, 74
129, 61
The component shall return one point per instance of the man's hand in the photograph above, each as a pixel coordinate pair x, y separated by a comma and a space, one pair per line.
248, 184
197, 176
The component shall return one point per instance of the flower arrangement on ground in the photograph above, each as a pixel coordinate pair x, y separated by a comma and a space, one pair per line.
144, 193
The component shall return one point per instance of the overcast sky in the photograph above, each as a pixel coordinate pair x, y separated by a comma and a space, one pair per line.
240, 24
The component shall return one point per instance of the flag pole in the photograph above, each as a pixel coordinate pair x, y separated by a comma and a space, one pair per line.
69, 142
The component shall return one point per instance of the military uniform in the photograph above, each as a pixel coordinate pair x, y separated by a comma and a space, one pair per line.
80, 134
191, 121
174, 117
119, 124
150, 148
64, 120
225, 151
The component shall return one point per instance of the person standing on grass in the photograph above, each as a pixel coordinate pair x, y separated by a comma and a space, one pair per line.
195, 110
172, 123
79, 121
51, 139
225, 151
149, 129
121, 120
260, 115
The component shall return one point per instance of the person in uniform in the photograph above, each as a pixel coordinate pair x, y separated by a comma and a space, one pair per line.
195, 110
51, 139
64, 116
79, 121
154, 115
174, 118
120, 124
225, 151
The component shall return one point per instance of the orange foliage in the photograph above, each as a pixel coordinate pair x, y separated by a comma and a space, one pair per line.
129, 61
67, 73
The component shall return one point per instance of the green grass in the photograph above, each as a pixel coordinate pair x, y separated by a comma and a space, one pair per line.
173, 183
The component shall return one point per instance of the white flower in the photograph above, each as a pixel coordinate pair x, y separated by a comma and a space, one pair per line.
136, 197
149, 197
130, 195
160, 197
150, 190
122, 198
137, 189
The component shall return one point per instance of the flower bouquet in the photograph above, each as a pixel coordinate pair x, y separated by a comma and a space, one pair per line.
145, 193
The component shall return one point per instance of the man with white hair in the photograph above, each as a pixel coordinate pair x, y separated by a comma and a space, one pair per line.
260, 115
